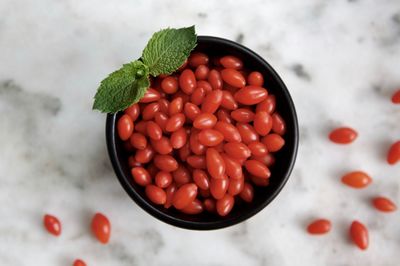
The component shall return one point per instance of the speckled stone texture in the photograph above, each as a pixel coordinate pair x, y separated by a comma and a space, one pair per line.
339, 59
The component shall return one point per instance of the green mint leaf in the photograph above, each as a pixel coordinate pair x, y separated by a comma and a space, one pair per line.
168, 49
122, 88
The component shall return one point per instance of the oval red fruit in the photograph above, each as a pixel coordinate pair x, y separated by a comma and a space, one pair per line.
393, 155
384, 204
52, 224
357, 179
101, 228
359, 234
343, 135
320, 226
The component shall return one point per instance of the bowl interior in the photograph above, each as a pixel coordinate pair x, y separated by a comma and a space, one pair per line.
263, 195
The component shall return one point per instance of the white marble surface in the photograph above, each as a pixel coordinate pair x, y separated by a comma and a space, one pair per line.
339, 58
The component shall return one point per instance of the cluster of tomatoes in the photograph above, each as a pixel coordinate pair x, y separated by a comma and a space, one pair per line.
358, 179
202, 138
101, 229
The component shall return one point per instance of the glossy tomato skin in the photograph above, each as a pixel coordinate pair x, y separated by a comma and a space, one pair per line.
165, 163
232, 168
210, 137
175, 122
141, 176
194, 207
233, 77
250, 95
201, 179
228, 102
151, 95
278, 124
235, 186
169, 85
229, 131
162, 146
267, 159
169, 192
247, 193
138, 140
393, 155
179, 138
125, 127
257, 169
161, 120
163, 179
247, 133
205, 85
198, 96
237, 150
223, 116
205, 121
258, 149
384, 204
145, 155
197, 59
255, 78
201, 72
197, 161
219, 187
225, 205
343, 135
176, 106
52, 224
262, 123
230, 61
149, 111
215, 163
359, 235
318, 227
215, 80
357, 179
133, 111
181, 176
268, 105
153, 130
273, 142
212, 101
187, 81
184, 195
195, 146
101, 228
191, 111
156, 195
243, 115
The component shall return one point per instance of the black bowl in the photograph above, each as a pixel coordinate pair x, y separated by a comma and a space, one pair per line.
285, 158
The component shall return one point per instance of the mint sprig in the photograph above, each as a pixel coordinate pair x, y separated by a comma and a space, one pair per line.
122, 87
166, 51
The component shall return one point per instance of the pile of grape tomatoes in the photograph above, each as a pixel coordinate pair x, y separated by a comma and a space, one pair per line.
202, 138
358, 232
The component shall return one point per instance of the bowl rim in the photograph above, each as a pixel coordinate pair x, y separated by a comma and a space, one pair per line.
198, 225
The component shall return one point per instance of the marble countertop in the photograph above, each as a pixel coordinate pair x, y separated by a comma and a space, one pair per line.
340, 60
